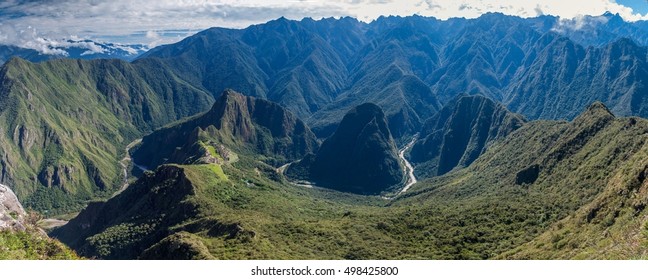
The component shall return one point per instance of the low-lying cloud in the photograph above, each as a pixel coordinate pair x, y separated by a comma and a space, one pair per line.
47, 25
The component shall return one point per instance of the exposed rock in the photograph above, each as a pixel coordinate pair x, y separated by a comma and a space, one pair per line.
12, 214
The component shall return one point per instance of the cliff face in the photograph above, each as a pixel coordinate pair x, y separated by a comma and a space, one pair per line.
460, 133
360, 157
12, 214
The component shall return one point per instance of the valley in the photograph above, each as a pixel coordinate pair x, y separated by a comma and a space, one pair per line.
497, 137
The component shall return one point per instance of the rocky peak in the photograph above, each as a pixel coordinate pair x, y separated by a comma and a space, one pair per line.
230, 112
597, 112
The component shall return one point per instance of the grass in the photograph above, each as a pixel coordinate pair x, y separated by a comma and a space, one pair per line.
31, 246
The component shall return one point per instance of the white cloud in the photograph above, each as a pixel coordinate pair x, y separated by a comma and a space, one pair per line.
154, 38
28, 22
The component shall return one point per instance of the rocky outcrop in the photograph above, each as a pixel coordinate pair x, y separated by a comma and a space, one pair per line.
12, 214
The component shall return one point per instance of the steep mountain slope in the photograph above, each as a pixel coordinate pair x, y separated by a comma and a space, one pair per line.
388, 72
298, 64
65, 123
540, 174
544, 174
235, 124
460, 133
594, 30
360, 157
576, 76
410, 66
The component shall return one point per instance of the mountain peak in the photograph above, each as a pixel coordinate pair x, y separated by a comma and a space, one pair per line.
235, 122
368, 108
598, 109
360, 157
230, 93
594, 117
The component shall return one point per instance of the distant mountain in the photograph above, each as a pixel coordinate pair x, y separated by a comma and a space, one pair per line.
360, 157
80, 49
6, 52
594, 30
614, 74
235, 124
306, 66
88, 49
460, 133
411, 66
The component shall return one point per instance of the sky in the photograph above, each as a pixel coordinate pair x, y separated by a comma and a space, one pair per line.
44, 24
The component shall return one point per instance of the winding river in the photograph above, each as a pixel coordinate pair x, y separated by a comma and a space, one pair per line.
409, 169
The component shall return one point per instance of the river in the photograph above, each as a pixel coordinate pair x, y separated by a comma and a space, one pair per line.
409, 169
124, 163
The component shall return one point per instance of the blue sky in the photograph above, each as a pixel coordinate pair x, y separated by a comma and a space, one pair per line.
639, 6
39, 24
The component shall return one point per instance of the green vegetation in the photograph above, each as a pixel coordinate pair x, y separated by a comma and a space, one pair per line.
32, 245
460, 133
65, 124
30, 242
588, 201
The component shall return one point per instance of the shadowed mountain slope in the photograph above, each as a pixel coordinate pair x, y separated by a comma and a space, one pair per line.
460, 133
360, 157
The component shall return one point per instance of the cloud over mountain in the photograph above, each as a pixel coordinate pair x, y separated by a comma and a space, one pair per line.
39, 24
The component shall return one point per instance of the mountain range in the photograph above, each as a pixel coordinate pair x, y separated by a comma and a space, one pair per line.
305, 139
76, 49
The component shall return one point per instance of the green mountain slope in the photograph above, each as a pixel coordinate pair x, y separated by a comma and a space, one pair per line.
65, 123
542, 173
590, 167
